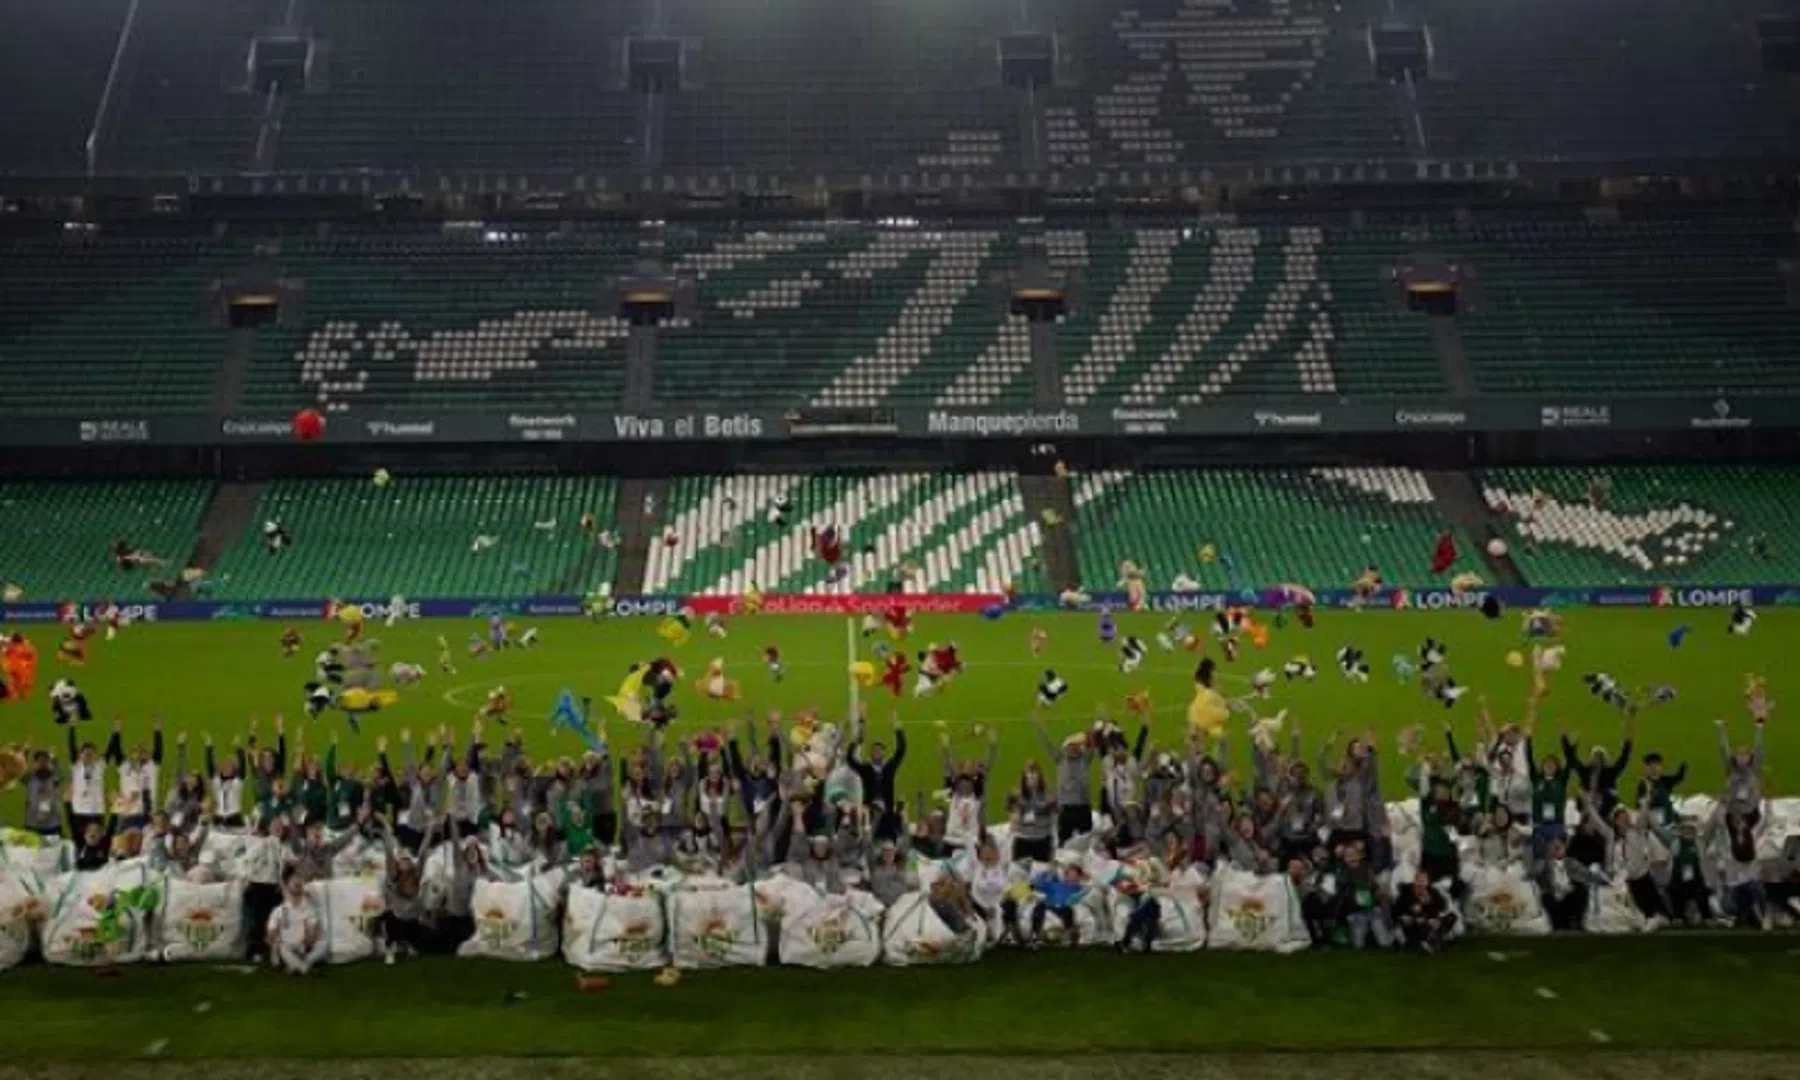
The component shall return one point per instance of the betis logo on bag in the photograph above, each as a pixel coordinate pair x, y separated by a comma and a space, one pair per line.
368, 911
201, 929
635, 939
1499, 909
1250, 918
831, 933
16, 921
715, 938
495, 927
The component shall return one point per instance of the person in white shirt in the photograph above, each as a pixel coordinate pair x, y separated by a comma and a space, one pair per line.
87, 786
140, 775
296, 930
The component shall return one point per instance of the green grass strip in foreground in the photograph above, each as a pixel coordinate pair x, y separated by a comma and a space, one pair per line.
1693, 993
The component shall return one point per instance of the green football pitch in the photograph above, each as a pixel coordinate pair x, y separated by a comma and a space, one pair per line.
210, 678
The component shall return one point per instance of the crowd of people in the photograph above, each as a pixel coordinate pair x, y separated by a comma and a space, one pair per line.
1010, 860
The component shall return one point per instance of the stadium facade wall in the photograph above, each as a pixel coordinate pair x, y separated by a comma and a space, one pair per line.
990, 605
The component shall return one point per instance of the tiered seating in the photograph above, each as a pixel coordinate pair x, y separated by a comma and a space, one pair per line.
1601, 81
843, 316
1657, 526
417, 84
53, 64
1319, 527
1379, 350
58, 539
965, 532
886, 84
1185, 315
1666, 306
185, 105
417, 538
109, 325
425, 320
1218, 81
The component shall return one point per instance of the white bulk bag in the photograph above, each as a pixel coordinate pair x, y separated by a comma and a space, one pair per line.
714, 928
1502, 900
838, 931
202, 922
911, 933
514, 920
1254, 911
350, 908
604, 931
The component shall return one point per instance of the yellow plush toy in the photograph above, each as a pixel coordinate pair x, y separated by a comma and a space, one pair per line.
630, 698
357, 700
1207, 713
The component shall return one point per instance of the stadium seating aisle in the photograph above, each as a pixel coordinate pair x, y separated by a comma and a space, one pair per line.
1318, 527
1656, 526
1601, 81
495, 86
53, 64
418, 538
430, 321
936, 532
58, 537
119, 319
884, 84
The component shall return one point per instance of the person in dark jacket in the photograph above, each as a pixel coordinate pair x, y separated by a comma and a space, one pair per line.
877, 773
1423, 914
1599, 775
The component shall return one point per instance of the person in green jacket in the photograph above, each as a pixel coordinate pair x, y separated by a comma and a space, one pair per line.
1549, 800
312, 792
345, 792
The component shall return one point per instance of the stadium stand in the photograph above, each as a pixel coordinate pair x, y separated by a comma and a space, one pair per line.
885, 84
108, 325
496, 86
1161, 82
966, 532
1601, 81
1674, 525
421, 319
57, 544
1192, 314
1378, 348
417, 539
843, 315
1318, 527
184, 100
1675, 305
53, 64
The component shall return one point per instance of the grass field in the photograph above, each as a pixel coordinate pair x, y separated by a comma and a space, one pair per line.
1687, 993
211, 677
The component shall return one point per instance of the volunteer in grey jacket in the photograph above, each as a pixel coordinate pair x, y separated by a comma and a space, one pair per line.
43, 795
1032, 812
1743, 773
1074, 783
